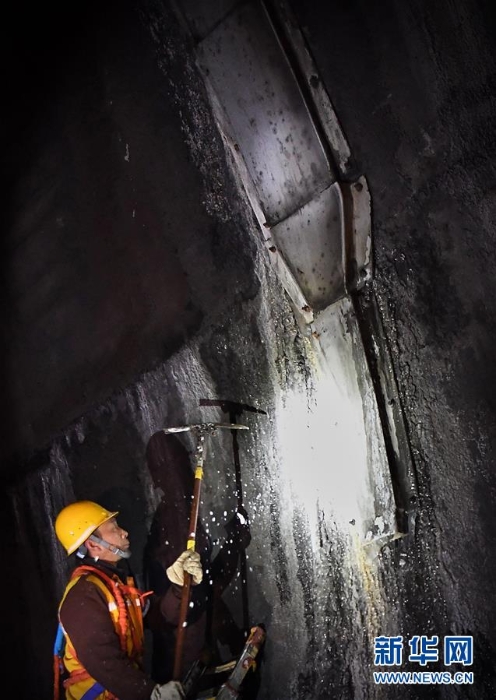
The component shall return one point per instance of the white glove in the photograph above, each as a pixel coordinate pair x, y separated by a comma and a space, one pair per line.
189, 561
170, 691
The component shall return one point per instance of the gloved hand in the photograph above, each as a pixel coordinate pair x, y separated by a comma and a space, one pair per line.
169, 691
189, 561
238, 528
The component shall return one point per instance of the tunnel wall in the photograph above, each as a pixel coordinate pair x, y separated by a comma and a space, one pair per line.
413, 85
87, 425
103, 211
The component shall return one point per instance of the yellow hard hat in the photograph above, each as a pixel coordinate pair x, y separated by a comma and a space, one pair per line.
76, 522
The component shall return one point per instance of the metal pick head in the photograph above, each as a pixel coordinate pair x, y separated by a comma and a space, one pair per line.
229, 426
205, 427
178, 429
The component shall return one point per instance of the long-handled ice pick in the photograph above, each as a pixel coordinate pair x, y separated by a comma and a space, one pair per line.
235, 410
201, 430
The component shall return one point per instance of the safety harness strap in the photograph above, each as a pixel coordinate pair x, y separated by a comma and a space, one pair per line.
119, 612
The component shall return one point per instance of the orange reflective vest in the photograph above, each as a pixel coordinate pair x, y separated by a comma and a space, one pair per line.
125, 605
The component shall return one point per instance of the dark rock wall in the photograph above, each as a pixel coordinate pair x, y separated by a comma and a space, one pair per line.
414, 87
103, 210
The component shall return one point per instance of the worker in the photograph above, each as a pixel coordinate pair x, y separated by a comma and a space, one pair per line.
211, 625
102, 614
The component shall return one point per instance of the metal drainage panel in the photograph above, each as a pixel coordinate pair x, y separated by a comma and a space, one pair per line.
269, 121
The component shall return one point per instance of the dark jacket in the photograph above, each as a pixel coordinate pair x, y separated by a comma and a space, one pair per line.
210, 621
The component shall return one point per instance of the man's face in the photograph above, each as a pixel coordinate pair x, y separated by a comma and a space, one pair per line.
115, 535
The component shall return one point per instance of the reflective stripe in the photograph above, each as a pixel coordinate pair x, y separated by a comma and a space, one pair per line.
58, 647
93, 692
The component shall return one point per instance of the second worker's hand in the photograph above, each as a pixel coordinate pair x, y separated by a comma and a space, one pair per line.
238, 529
189, 561
169, 691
